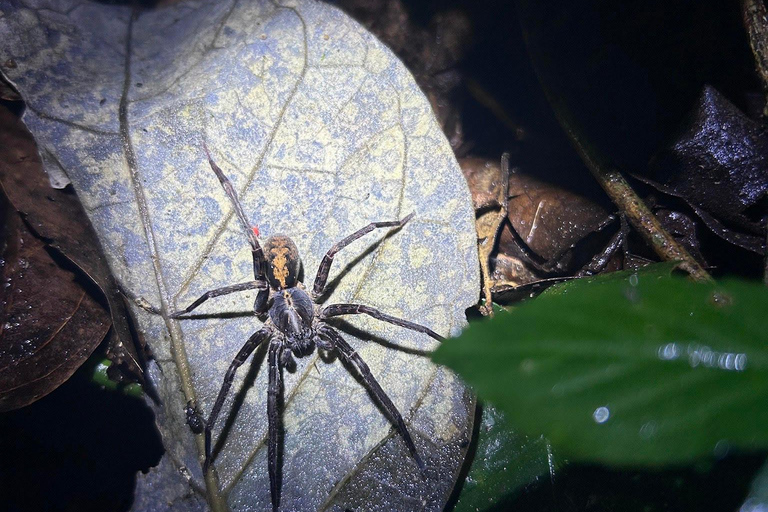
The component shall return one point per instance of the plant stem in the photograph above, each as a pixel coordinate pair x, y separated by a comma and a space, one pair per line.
638, 214
756, 24
765, 260
612, 181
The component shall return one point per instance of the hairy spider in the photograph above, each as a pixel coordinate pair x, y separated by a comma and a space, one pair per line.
295, 324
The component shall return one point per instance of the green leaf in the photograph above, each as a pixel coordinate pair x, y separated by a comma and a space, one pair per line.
505, 462
99, 375
321, 131
629, 369
757, 499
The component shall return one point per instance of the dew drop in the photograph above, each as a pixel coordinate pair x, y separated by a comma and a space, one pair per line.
669, 352
601, 415
720, 299
705, 356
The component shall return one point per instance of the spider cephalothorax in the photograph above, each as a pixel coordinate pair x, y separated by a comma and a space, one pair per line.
294, 327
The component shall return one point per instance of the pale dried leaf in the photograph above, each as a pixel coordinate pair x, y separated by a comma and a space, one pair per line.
321, 131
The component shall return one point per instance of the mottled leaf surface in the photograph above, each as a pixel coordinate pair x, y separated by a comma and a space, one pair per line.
321, 131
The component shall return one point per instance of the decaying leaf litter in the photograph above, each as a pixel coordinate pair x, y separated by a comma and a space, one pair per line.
56, 223
48, 330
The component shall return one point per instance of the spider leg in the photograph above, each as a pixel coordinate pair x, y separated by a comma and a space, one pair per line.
259, 261
250, 285
325, 265
246, 350
274, 396
356, 309
347, 354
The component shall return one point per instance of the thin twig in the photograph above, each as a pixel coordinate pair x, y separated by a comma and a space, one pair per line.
612, 181
638, 214
756, 24
485, 248
765, 270
486, 99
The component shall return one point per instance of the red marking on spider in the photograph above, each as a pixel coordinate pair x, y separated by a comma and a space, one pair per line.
255, 230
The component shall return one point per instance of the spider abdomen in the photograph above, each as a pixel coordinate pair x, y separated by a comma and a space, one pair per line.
292, 312
282, 262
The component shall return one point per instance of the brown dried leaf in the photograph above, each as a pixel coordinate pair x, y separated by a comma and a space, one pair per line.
57, 217
549, 219
549, 222
50, 323
510, 272
487, 184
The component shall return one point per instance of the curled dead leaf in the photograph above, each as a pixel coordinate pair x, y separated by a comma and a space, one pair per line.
57, 217
50, 322
719, 166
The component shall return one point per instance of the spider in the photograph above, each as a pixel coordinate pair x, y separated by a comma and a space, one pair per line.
294, 326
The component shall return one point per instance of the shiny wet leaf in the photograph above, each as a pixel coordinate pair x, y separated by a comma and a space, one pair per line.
51, 323
719, 165
629, 368
505, 463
